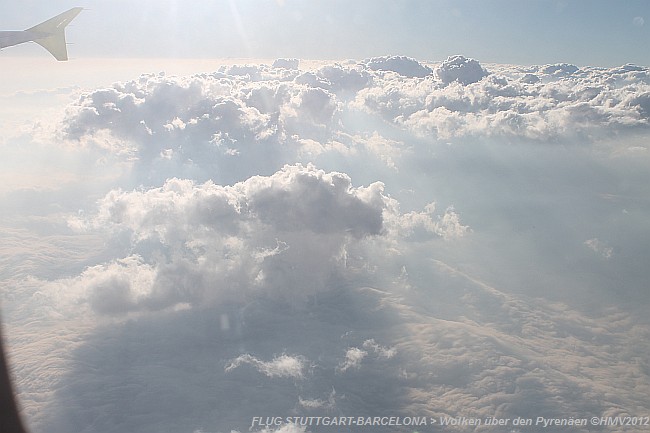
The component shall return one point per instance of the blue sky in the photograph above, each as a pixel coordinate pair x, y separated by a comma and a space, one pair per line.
583, 32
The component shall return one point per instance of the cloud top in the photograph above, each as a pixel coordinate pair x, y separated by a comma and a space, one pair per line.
281, 366
194, 242
244, 120
460, 69
362, 237
405, 66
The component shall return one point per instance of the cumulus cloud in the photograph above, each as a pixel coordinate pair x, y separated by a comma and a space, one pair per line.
229, 120
286, 232
542, 103
286, 63
354, 356
405, 66
460, 69
426, 224
244, 120
281, 366
291, 234
361, 238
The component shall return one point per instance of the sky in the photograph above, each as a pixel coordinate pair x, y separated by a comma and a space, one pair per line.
217, 216
584, 32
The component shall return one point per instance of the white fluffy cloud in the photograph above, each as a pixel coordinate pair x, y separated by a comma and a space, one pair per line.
291, 234
288, 233
229, 120
460, 69
221, 125
354, 356
541, 103
280, 366
402, 65
270, 246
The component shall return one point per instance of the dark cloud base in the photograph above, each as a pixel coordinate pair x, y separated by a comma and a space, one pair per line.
486, 354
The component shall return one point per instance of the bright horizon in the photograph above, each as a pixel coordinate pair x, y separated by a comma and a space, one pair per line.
582, 32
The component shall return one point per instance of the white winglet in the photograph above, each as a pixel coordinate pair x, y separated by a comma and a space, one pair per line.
54, 31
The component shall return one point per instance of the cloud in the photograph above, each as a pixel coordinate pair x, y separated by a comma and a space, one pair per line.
230, 120
266, 233
291, 234
599, 247
381, 351
286, 63
426, 225
357, 239
353, 358
281, 366
318, 403
486, 353
288, 428
405, 66
539, 103
245, 120
460, 69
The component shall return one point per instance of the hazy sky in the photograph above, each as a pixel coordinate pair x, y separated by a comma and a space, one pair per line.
594, 32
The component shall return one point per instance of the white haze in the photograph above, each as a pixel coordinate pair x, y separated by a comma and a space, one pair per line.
382, 237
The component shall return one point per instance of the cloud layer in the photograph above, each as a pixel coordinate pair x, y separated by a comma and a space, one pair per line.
375, 238
222, 125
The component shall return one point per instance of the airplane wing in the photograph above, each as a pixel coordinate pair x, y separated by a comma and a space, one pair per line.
50, 34
57, 23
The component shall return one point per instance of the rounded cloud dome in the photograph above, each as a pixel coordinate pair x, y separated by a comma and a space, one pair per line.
405, 66
461, 69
